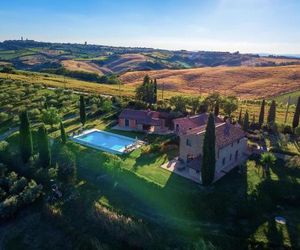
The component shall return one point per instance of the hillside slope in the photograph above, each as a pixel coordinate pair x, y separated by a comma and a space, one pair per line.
41, 56
246, 82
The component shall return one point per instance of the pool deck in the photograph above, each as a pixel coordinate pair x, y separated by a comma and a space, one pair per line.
128, 149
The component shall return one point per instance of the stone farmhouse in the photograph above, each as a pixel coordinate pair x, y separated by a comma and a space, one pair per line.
231, 144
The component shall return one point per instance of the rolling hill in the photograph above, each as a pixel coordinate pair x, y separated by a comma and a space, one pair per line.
43, 56
245, 82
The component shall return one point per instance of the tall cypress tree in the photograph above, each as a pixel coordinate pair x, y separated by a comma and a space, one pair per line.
43, 147
262, 113
26, 147
240, 117
146, 80
217, 108
209, 152
272, 113
246, 121
82, 110
63, 135
150, 92
296, 114
287, 109
155, 91
253, 119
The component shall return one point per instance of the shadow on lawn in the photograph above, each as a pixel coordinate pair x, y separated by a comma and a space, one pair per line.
276, 198
227, 214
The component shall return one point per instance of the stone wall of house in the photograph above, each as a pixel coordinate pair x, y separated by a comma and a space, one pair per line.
122, 122
231, 154
190, 145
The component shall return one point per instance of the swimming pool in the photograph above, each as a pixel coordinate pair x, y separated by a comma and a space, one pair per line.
109, 142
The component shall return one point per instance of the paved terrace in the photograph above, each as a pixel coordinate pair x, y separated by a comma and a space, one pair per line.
177, 167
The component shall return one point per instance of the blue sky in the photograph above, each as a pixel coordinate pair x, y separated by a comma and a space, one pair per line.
271, 26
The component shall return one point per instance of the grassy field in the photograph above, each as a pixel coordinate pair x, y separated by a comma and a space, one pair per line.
86, 66
244, 82
69, 83
57, 81
12, 54
293, 97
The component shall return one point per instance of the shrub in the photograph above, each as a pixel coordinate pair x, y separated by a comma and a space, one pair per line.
18, 186
66, 166
51, 116
106, 106
3, 117
155, 147
31, 193
34, 113
9, 207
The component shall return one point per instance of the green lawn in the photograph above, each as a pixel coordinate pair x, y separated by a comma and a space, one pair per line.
284, 98
237, 209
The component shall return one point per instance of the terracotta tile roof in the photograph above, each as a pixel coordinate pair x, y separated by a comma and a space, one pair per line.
146, 117
191, 122
226, 133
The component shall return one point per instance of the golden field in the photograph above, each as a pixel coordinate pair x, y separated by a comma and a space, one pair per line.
244, 82
85, 66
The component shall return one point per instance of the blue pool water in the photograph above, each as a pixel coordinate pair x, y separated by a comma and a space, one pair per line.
105, 141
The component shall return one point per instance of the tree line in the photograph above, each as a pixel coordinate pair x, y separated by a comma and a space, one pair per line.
147, 91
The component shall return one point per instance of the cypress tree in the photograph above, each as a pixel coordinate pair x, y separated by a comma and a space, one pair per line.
43, 147
82, 110
26, 147
146, 80
155, 91
209, 154
246, 121
287, 109
296, 115
150, 92
262, 113
63, 136
240, 117
272, 113
253, 119
217, 108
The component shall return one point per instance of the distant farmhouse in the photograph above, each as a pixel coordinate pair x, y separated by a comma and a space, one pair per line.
144, 120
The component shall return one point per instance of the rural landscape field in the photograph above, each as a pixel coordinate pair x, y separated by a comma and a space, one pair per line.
149, 125
244, 82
